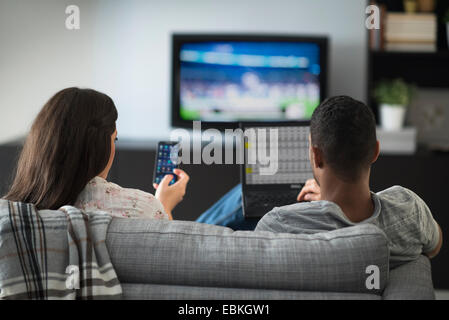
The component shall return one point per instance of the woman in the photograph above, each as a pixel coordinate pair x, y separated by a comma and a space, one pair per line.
67, 156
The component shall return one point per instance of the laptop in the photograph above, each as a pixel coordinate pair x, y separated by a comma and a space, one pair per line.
277, 182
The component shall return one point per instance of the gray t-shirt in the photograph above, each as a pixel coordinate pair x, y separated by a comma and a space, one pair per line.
399, 212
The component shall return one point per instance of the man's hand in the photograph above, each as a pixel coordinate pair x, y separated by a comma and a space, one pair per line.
310, 192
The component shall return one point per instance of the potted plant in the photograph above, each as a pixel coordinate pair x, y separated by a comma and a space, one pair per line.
393, 97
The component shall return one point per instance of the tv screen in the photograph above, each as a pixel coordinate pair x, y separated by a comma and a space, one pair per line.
221, 80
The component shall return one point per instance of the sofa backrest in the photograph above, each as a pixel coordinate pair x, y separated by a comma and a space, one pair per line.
193, 254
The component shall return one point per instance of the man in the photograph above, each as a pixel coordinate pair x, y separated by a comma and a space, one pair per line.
343, 145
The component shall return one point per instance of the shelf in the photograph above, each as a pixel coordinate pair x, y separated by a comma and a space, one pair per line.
424, 69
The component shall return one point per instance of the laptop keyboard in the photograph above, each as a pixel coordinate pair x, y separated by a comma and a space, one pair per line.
269, 199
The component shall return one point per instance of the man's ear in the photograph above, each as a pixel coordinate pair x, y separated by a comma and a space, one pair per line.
317, 157
377, 152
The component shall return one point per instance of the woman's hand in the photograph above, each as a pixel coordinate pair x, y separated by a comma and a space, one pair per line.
170, 196
310, 192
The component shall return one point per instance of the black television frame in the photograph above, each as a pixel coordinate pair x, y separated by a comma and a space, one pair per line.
179, 38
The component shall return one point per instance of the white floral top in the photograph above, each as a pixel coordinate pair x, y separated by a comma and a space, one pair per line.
100, 194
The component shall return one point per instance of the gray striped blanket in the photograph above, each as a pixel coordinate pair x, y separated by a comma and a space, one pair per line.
50, 254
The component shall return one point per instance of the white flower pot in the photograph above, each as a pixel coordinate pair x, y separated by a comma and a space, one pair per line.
392, 116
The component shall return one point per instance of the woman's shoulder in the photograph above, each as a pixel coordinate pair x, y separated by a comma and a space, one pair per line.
104, 195
100, 183
114, 190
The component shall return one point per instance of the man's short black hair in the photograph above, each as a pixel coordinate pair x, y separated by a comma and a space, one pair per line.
344, 129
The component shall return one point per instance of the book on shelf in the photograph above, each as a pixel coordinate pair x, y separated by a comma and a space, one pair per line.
410, 32
410, 27
411, 46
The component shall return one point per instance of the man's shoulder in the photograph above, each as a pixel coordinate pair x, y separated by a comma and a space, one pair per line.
399, 196
308, 217
408, 223
312, 207
399, 203
399, 192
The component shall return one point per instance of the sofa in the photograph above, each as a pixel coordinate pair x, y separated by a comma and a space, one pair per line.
157, 259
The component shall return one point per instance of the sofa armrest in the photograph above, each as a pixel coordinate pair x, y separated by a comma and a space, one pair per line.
411, 281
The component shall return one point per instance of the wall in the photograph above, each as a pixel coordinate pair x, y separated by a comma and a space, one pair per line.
123, 49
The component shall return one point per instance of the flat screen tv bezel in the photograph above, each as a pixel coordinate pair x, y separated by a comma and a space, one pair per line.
180, 38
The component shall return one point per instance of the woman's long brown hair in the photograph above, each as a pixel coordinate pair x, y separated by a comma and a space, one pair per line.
68, 145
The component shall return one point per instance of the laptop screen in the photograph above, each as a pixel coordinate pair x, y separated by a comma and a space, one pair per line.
287, 151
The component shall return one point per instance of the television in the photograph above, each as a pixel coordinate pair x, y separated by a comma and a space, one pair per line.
221, 80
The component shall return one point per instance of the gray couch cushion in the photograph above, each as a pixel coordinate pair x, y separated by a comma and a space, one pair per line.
411, 281
132, 291
192, 254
